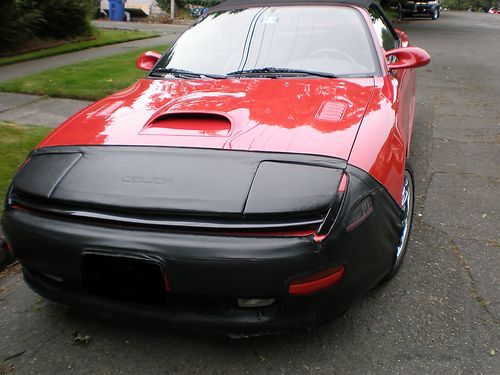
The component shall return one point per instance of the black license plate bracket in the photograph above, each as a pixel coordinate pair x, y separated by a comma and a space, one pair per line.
124, 277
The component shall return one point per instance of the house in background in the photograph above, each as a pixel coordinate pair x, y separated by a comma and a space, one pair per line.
137, 8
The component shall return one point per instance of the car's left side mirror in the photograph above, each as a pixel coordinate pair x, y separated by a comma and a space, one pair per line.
147, 60
407, 58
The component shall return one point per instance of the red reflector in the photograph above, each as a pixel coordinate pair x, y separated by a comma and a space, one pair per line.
9, 247
19, 207
314, 283
343, 183
319, 237
167, 284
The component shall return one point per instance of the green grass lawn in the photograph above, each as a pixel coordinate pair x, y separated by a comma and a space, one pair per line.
90, 80
15, 144
104, 37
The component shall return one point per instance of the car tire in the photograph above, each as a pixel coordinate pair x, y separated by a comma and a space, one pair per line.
435, 14
407, 205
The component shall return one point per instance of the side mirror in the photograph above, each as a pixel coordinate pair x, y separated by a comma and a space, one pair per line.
407, 58
147, 60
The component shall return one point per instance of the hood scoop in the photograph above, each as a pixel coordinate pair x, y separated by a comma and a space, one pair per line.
198, 124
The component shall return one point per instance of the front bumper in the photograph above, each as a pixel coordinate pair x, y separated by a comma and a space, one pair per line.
207, 273
419, 10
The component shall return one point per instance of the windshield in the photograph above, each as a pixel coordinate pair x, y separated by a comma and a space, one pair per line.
274, 41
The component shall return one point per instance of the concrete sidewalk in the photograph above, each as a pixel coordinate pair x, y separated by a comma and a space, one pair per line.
170, 33
37, 110
42, 110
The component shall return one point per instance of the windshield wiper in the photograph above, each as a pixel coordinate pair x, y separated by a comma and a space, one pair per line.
186, 74
280, 72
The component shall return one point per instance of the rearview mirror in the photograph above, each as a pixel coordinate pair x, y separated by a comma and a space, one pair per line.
407, 58
147, 60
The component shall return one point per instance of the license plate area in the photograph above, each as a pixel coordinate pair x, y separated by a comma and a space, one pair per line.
123, 277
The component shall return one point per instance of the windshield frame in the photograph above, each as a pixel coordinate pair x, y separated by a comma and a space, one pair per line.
378, 70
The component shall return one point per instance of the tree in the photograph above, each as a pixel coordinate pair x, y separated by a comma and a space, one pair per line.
470, 4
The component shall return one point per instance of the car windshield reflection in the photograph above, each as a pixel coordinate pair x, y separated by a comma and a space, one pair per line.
324, 40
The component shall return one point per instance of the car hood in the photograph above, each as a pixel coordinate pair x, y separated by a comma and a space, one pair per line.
308, 116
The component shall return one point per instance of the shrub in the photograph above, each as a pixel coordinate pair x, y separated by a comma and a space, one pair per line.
28, 20
164, 5
61, 18
470, 4
16, 24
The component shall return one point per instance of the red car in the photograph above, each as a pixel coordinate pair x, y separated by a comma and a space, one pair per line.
256, 181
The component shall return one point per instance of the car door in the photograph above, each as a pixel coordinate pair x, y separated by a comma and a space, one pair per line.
403, 80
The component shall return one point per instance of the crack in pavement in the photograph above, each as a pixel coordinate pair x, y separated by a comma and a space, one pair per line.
482, 301
35, 99
496, 141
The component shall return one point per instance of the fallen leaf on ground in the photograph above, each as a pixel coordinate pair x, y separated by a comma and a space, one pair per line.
81, 339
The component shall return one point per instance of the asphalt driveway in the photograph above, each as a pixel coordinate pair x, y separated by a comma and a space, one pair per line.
439, 315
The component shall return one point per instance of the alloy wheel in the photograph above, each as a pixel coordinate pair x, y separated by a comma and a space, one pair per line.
407, 206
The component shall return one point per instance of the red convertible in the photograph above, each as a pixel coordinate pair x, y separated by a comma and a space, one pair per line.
255, 181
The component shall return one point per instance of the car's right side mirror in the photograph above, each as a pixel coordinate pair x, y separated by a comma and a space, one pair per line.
407, 58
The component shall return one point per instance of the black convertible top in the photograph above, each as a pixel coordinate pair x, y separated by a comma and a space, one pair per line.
235, 4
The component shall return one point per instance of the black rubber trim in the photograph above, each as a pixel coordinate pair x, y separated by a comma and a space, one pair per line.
239, 4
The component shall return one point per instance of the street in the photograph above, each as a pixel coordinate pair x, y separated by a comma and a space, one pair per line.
439, 315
